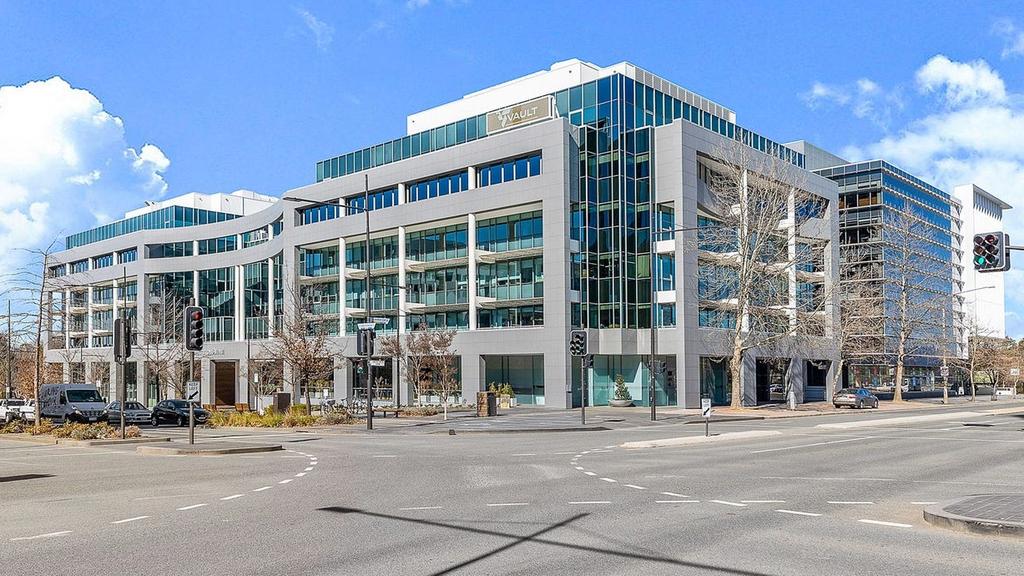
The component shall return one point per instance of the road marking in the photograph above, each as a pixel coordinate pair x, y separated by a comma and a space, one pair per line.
728, 503
809, 445
880, 523
592, 502
126, 520
676, 501
285, 481
300, 474
797, 512
610, 447
48, 535
851, 502
262, 489
308, 469
578, 467
384, 456
510, 504
922, 503
422, 508
591, 473
312, 462
183, 508
232, 497
763, 501
609, 480
634, 486
525, 454
562, 453
674, 494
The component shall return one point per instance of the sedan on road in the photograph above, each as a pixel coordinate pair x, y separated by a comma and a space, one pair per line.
135, 413
855, 398
176, 411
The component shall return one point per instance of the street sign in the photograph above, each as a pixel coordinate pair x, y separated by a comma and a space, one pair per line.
705, 407
377, 362
191, 390
944, 371
381, 320
1014, 371
366, 325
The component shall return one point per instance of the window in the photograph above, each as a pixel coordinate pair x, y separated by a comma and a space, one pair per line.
438, 244
383, 253
447, 320
439, 186
439, 287
79, 266
168, 217
509, 317
317, 262
379, 199
103, 261
217, 245
255, 237
508, 170
319, 213
126, 256
714, 318
169, 250
517, 232
513, 280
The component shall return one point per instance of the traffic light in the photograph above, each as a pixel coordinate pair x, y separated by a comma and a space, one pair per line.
578, 343
991, 253
122, 340
364, 342
194, 328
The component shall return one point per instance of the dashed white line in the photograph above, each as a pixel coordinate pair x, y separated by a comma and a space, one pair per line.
609, 447
763, 501
881, 523
588, 473
384, 456
262, 489
300, 474
578, 467
232, 497
675, 495
609, 480
923, 503
676, 501
127, 520
192, 507
797, 512
286, 480
850, 502
509, 504
727, 503
592, 502
634, 486
309, 468
809, 445
422, 508
525, 454
47, 535
312, 462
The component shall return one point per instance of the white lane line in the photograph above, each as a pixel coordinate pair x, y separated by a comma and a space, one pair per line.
127, 520
300, 474
192, 507
809, 445
509, 504
763, 501
674, 494
422, 508
728, 503
590, 473
312, 462
285, 481
676, 501
562, 453
525, 454
310, 468
47, 535
881, 523
262, 489
634, 487
232, 497
797, 512
592, 502
385, 456
609, 480
610, 447
581, 467
850, 502
922, 503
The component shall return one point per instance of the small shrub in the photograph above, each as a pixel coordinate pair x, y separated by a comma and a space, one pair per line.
15, 427
297, 409
421, 410
79, 431
335, 418
292, 420
621, 391
45, 427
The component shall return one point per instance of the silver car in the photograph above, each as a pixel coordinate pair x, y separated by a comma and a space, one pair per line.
135, 413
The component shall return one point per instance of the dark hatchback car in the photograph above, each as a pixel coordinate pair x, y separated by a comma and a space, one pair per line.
176, 411
855, 398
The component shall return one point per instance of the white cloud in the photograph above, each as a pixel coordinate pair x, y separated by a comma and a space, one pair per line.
323, 33
964, 81
864, 97
1013, 37
60, 149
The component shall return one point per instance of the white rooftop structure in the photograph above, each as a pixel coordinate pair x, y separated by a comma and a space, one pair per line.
984, 310
240, 202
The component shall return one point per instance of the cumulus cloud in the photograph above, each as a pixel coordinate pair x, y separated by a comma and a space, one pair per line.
964, 82
323, 33
864, 97
63, 160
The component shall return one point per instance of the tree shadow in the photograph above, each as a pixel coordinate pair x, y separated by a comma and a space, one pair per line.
17, 477
536, 538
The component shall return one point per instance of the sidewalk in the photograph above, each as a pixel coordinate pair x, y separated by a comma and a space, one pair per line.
996, 514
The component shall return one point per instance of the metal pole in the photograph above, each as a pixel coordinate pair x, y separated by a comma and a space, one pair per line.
10, 359
583, 390
126, 333
191, 407
369, 305
652, 393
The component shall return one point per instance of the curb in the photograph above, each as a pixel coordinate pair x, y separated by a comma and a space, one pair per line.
936, 515
523, 430
900, 420
199, 450
29, 439
109, 441
688, 440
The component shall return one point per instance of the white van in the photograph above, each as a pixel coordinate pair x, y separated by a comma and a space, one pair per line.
72, 403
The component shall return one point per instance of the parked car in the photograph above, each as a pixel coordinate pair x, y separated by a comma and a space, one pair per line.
10, 410
176, 411
72, 403
855, 398
135, 413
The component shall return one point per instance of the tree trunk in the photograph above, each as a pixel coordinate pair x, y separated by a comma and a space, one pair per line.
897, 387
735, 369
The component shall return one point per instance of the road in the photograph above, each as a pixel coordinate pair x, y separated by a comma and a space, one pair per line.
809, 499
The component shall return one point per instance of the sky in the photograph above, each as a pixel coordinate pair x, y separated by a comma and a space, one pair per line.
106, 104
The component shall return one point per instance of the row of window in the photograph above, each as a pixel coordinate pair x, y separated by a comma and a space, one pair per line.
169, 217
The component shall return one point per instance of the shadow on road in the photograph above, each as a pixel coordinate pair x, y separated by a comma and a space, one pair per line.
535, 537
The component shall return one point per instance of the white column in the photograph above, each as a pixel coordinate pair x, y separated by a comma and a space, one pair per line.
270, 295
117, 305
472, 177
67, 318
471, 241
401, 193
195, 287
342, 265
401, 281
88, 317
239, 303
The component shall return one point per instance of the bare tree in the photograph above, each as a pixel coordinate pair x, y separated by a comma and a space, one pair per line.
412, 351
859, 333
752, 253
444, 366
162, 346
980, 344
303, 344
264, 376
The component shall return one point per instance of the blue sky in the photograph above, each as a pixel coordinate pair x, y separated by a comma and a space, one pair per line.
165, 98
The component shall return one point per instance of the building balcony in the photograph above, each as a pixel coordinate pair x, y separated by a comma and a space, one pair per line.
422, 266
665, 246
489, 303
488, 257
360, 273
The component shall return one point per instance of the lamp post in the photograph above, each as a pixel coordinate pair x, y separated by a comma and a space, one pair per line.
365, 208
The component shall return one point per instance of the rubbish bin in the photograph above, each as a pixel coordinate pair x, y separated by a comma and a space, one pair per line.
486, 404
282, 402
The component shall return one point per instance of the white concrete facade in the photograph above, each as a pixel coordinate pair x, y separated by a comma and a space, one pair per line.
984, 310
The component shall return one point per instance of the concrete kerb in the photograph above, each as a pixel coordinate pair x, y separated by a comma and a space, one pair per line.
937, 515
208, 449
691, 440
110, 441
28, 438
901, 420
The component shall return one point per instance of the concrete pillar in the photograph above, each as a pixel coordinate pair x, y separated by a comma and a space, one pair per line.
472, 376
67, 321
471, 235
796, 379
239, 303
401, 283
117, 302
748, 380
343, 264
242, 391
472, 177
270, 294
88, 318
206, 374
195, 287
341, 387
401, 193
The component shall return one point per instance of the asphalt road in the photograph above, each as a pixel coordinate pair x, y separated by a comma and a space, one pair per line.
808, 500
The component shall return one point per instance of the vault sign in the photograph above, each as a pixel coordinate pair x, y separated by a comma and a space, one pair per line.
520, 115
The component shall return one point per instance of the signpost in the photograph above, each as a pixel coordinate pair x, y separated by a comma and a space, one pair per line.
191, 390
705, 412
